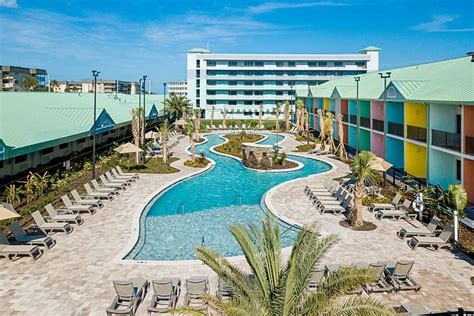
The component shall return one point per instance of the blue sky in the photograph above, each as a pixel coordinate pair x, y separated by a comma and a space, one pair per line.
126, 39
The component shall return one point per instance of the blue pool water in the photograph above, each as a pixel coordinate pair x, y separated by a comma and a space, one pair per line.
200, 209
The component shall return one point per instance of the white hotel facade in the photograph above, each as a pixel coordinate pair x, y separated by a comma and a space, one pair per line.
242, 83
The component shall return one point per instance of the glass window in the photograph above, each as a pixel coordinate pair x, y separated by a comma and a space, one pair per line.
360, 63
211, 92
258, 83
47, 150
279, 93
291, 64
248, 83
458, 170
232, 63
258, 92
211, 102
338, 64
248, 92
211, 63
322, 63
198, 73
232, 92
248, 63
211, 82
232, 83
258, 102
248, 102
279, 64
20, 159
258, 64
312, 64
64, 146
279, 83
232, 102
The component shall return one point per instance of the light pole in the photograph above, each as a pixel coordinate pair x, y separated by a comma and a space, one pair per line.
95, 73
291, 101
384, 77
164, 98
139, 108
144, 108
357, 79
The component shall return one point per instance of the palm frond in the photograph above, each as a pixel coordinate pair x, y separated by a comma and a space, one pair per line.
361, 305
344, 280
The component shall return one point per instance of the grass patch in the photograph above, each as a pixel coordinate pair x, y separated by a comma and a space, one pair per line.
154, 165
305, 147
234, 145
197, 163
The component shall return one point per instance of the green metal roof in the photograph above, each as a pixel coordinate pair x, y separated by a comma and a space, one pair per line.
450, 81
30, 121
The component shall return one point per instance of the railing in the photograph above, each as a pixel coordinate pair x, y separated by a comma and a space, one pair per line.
377, 125
345, 117
365, 122
470, 145
416, 133
446, 140
395, 129
353, 119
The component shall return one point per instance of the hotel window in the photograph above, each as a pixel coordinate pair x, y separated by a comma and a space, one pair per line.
458, 170
279, 93
211, 102
338, 64
211, 63
198, 73
82, 140
248, 83
47, 150
198, 83
248, 102
360, 63
248, 92
312, 64
258, 64
198, 93
258, 92
232, 83
322, 63
232, 63
66, 145
279, 64
20, 159
258, 102
232, 102
198, 63
279, 83
248, 113
232, 92
248, 64
291, 64
211, 82
258, 83
313, 83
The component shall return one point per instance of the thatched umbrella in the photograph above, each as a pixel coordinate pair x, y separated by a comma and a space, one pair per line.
340, 132
260, 117
129, 148
151, 135
223, 117
7, 211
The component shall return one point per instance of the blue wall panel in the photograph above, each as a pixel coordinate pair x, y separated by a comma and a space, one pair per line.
395, 152
395, 112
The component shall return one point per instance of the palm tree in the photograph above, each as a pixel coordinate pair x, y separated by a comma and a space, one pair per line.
197, 122
164, 131
178, 106
275, 287
189, 129
362, 171
287, 116
277, 115
30, 83
299, 111
53, 84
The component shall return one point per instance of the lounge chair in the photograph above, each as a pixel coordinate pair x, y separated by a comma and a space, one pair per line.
320, 192
98, 194
213, 127
433, 243
336, 196
13, 252
113, 179
399, 276
420, 230
129, 295
195, 289
119, 169
401, 212
224, 291
221, 127
129, 178
76, 208
208, 127
337, 200
336, 209
386, 206
325, 185
316, 149
165, 297
30, 239
380, 284
317, 276
103, 188
54, 216
115, 185
47, 228
87, 200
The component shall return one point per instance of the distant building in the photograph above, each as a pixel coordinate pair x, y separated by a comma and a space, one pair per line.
242, 83
179, 88
12, 77
103, 86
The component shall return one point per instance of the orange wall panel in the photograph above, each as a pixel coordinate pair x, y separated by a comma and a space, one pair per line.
469, 179
468, 120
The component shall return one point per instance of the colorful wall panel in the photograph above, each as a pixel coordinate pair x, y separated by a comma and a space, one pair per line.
345, 128
442, 168
469, 179
326, 104
443, 117
344, 106
395, 112
378, 144
415, 114
364, 108
415, 160
352, 136
364, 139
469, 121
332, 105
395, 152
320, 103
376, 109
352, 107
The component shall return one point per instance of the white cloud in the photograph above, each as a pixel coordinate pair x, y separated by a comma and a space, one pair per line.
439, 23
271, 6
8, 4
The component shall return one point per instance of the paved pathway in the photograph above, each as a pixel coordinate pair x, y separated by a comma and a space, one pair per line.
75, 277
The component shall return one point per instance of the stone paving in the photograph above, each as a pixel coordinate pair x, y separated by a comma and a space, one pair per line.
75, 277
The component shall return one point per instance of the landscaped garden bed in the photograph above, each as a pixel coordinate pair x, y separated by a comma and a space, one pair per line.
234, 146
199, 162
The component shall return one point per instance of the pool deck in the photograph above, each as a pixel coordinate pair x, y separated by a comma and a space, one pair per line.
75, 277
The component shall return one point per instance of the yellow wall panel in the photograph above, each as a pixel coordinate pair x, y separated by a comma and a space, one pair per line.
415, 114
415, 160
326, 104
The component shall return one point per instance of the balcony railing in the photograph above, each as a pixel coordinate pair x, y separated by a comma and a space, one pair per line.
353, 119
345, 117
377, 125
416, 133
470, 145
446, 140
365, 122
395, 129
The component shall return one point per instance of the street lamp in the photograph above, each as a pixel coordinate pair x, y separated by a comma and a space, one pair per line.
144, 108
164, 98
357, 79
385, 77
95, 73
139, 106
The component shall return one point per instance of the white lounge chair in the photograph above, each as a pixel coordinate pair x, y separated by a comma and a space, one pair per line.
115, 185
113, 179
129, 295
196, 288
402, 212
37, 240
434, 243
48, 228
54, 216
386, 206
13, 252
119, 169
420, 230
98, 194
125, 177
335, 209
102, 188
76, 208
86, 201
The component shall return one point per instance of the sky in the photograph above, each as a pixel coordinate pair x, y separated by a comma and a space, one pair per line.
126, 39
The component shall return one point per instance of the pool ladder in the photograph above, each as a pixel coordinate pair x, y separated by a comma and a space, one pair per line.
238, 199
180, 209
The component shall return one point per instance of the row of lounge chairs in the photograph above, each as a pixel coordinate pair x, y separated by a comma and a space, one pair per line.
34, 245
394, 209
389, 277
235, 127
329, 198
166, 292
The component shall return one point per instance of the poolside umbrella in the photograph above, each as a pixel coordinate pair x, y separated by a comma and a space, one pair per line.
151, 135
223, 117
7, 211
128, 148
381, 165
180, 122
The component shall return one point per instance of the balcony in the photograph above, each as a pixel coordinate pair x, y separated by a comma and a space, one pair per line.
377, 125
446, 140
353, 119
345, 117
470, 145
395, 129
416, 133
365, 122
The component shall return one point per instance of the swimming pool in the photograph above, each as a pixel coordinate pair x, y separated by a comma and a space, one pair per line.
200, 209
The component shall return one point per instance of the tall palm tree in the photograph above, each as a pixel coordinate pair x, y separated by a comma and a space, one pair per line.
189, 129
362, 171
164, 131
178, 106
30, 83
275, 287
287, 115
197, 122
299, 111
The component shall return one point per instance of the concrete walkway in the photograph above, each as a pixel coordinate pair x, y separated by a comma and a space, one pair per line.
75, 277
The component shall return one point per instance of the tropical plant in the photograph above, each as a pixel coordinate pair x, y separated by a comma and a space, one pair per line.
29, 186
189, 129
362, 171
277, 115
457, 199
178, 106
42, 183
13, 195
164, 131
30, 83
283, 159
278, 287
53, 84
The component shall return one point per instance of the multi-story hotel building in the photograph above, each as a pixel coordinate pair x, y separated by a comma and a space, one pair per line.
103, 86
425, 126
180, 88
12, 77
243, 83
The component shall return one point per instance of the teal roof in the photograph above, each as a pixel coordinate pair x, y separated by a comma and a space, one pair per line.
30, 121
449, 81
